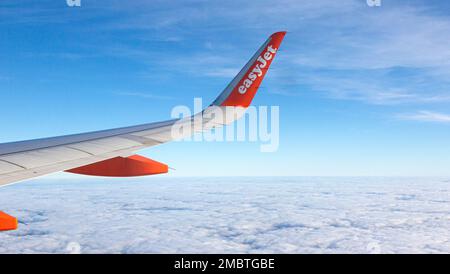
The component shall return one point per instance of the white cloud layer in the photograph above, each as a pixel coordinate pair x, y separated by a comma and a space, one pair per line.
228, 215
427, 116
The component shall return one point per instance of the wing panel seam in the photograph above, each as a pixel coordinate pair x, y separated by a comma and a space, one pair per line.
80, 150
12, 163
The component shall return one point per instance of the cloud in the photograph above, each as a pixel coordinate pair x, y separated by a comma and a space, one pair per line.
345, 50
375, 86
390, 55
223, 72
145, 95
426, 116
228, 215
393, 54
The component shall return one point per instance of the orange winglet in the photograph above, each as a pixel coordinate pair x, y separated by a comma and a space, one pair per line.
7, 222
243, 93
122, 167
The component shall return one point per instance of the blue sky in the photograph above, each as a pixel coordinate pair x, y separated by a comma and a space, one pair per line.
361, 90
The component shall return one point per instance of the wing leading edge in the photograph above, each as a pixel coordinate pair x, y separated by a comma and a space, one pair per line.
28, 159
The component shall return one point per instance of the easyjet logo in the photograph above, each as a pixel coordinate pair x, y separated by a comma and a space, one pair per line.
257, 70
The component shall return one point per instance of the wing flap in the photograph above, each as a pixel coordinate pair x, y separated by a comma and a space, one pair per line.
101, 146
16, 176
42, 157
6, 167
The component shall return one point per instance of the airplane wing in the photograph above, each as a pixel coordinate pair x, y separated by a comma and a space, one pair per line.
111, 152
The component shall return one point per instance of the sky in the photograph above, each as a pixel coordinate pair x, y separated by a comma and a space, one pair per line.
361, 90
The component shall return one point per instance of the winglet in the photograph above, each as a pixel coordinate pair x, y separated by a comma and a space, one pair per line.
243, 87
